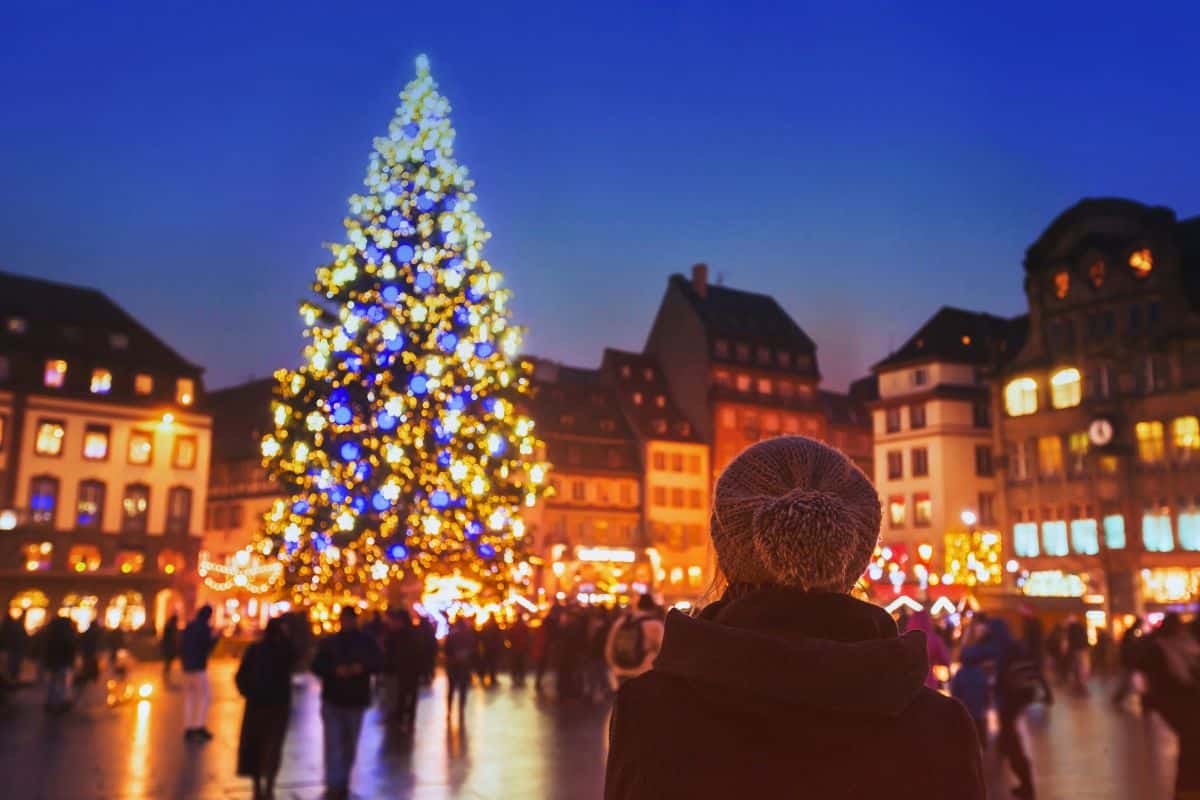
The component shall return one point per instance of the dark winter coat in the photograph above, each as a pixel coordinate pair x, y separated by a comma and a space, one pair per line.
347, 649
197, 642
61, 643
786, 694
264, 677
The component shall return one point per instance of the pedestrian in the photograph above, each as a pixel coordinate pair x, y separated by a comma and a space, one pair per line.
597, 680
1033, 639
344, 663
89, 656
788, 686
459, 650
634, 640
116, 643
429, 648
519, 643
1056, 646
168, 645
1171, 661
264, 678
401, 671
1015, 686
197, 642
491, 647
13, 641
545, 644
971, 686
935, 648
1078, 657
58, 661
1129, 659
572, 654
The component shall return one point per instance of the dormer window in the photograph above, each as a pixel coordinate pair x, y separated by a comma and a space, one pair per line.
721, 348
660, 401
764, 355
626, 372
1141, 262
637, 398
784, 358
55, 374
118, 341
743, 352
143, 384
101, 381
1062, 284
185, 391
1097, 272
17, 325
648, 374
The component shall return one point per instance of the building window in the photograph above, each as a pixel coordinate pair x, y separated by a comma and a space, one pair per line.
55, 374
1114, 532
83, 558
101, 381
895, 464
574, 454
743, 352
1062, 284
1156, 374
696, 498
95, 442
677, 462
722, 378
721, 348
981, 414
185, 391
1101, 325
920, 377
143, 384
615, 459
1066, 388
892, 420
1020, 397
987, 508
916, 416
43, 500
1100, 383
130, 561
89, 506
1050, 457
728, 418
660, 461
626, 494
660, 401
922, 510
1078, 445
1156, 529
1141, 262
179, 510
764, 355
659, 426
1054, 537
16, 325
677, 498
1189, 526
764, 386
141, 447
743, 382
38, 556
920, 462
983, 460
784, 358
1185, 438
1150, 445
578, 491
1085, 538
1025, 539
237, 515
135, 507
659, 494
695, 465
1018, 461
50, 435
5, 368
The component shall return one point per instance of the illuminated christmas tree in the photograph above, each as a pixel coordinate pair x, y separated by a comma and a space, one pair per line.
398, 443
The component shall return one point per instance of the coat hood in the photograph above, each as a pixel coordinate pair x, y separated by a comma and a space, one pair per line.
815, 650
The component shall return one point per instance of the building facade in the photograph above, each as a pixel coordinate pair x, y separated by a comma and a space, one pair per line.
1096, 415
104, 451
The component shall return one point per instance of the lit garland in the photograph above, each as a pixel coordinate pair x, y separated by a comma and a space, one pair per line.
244, 571
973, 558
397, 443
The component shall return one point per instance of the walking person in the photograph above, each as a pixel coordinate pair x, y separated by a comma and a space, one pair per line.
89, 657
344, 663
519, 643
401, 672
264, 678
459, 650
1033, 639
491, 647
197, 644
1078, 655
788, 686
634, 640
1129, 658
13, 641
58, 661
971, 686
168, 644
1172, 663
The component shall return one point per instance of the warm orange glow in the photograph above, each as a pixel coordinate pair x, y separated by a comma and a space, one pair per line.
1062, 284
1141, 262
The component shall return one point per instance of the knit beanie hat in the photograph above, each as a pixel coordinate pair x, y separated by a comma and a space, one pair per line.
792, 511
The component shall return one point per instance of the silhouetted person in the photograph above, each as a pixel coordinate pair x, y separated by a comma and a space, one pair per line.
429, 648
403, 663
116, 643
14, 640
1129, 660
459, 649
168, 644
1033, 640
491, 648
89, 655
1171, 660
58, 659
1078, 654
345, 663
519, 642
197, 643
264, 678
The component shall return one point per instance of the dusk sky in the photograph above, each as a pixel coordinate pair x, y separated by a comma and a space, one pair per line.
863, 163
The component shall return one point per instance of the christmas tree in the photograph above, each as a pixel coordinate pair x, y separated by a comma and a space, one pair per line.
399, 443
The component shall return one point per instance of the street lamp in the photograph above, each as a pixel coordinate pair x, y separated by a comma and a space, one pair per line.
968, 518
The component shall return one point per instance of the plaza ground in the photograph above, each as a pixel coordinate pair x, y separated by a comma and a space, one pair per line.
513, 745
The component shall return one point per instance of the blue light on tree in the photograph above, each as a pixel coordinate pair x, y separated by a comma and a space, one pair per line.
350, 451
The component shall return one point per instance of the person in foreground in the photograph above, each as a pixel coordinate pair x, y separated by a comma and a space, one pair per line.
788, 687
264, 678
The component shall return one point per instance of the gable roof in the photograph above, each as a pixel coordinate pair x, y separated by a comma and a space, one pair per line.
744, 316
241, 417
657, 416
956, 336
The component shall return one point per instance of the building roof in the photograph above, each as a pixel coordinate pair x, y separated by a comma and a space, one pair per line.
578, 415
1188, 237
956, 336
744, 316
657, 416
1045, 248
241, 417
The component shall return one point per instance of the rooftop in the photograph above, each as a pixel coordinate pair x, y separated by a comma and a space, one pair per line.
956, 336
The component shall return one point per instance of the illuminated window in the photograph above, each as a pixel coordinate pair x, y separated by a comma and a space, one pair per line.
37, 555
677, 462
922, 509
1185, 437
50, 435
89, 506
130, 561
1114, 532
170, 561
1141, 262
1054, 537
185, 391
141, 447
95, 442
143, 383
55, 374
1156, 530
1078, 444
1066, 388
184, 455
1050, 456
743, 383
179, 510
1150, 444
1025, 539
660, 461
1062, 284
17, 325
43, 500
83, 558
1020, 397
897, 510
1085, 538
764, 386
1096, 273
135, 508
101, 381
1189, 528
126, 611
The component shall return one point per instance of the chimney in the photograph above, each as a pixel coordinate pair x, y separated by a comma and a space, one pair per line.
700, 279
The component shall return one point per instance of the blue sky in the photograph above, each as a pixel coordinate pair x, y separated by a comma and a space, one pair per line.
864, 163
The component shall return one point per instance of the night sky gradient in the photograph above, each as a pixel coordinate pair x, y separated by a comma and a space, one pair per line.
864, 163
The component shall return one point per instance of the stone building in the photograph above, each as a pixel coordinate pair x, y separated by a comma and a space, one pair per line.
104, 452
1096, 416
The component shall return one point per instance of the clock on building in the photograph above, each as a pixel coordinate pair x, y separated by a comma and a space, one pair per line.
1100, 432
